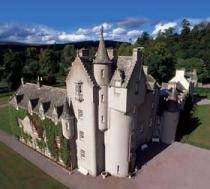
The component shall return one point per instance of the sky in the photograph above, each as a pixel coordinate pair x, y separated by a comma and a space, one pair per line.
50, 21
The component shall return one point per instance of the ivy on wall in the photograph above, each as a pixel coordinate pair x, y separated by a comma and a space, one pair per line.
45, 128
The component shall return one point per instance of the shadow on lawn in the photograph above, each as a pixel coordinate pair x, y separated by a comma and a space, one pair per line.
187, 122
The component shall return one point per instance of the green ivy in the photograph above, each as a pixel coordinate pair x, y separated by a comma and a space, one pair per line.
51, 130
41, 144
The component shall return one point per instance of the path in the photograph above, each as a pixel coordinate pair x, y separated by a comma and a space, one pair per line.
204, 101
179, 166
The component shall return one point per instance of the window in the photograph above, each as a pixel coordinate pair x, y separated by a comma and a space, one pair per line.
78, 91
41, 112
150, 123
81, 135
117, 91
58, 141
102, 119
102, 74
102, 98
82, 154
67, 126
118, 83
80, 114
136, 89
141, 129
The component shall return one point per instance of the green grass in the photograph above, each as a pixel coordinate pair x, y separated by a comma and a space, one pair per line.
18, 173
8, 122
203, 92
201, 135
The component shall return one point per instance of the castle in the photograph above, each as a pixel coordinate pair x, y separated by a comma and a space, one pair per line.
108, 109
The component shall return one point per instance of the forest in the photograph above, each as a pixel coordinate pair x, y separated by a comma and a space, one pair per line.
188, 48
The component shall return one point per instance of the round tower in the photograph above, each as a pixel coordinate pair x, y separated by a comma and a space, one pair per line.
170, 119
102, 73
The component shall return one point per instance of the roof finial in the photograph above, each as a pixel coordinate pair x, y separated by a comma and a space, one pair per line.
102, 30
77, 52
102, 55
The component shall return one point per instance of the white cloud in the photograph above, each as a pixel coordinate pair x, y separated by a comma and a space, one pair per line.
71, 37
105, 25
163, 27
118, 31
134, 33
83, 31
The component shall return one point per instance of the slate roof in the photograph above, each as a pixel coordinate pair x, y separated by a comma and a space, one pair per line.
102, 55
47, 96
125, 67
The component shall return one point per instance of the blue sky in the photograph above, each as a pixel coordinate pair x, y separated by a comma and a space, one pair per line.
48, 21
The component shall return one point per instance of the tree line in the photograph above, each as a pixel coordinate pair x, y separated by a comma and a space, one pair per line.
169, 50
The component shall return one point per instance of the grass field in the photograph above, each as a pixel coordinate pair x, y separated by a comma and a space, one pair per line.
201, 135
18, 173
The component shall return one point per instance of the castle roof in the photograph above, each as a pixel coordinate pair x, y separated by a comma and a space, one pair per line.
48, 97
102, 55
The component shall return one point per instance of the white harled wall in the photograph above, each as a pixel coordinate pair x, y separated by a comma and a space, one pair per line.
91, 163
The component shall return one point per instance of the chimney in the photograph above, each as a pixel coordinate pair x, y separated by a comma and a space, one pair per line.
137, 53
22, 81
145, 68
39, 80
84, 52
180, 73
112, 53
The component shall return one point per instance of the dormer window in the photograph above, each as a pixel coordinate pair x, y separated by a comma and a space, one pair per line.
30, 108
78, 91
118, 83
102, 74
41, 112
55, 116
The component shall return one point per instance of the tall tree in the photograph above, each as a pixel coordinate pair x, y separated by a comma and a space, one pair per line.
14, 63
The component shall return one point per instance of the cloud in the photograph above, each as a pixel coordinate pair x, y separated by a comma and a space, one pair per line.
118, 31
83, 31
72, 37
105, 25
134, 33
123, 30
163, 27
133, 22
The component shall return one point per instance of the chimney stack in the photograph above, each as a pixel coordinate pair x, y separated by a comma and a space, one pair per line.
22, 81
39, 80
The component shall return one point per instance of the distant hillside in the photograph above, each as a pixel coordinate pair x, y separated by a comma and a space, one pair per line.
78, 45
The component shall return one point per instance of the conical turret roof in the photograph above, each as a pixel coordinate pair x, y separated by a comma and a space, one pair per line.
102, 55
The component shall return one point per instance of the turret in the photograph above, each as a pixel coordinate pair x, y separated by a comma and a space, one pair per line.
170, 118
102, 73
102, 63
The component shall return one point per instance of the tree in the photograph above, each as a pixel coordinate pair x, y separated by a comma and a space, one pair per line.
31, 70
14, 63
160, 61
68, 55
49, 66
143, 39
48, 62
125, 49
185, 29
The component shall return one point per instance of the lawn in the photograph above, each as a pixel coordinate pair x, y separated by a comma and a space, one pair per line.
201, 135
18, 173
8, 122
